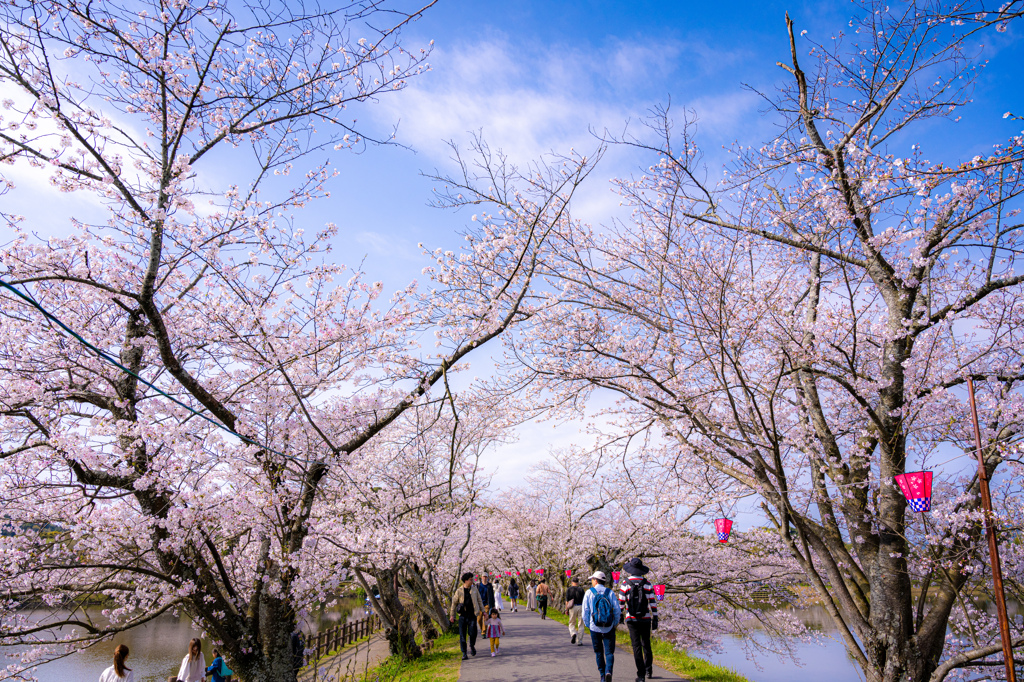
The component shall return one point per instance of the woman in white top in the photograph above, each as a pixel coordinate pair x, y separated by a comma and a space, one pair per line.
498, 603
118, 672
193, 666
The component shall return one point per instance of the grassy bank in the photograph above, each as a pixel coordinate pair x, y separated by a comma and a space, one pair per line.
668, 657
440, 665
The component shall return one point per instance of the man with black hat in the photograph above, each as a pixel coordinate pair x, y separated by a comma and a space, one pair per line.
640, 611
574, 609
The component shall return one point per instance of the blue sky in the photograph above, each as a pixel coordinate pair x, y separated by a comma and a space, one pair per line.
536, 77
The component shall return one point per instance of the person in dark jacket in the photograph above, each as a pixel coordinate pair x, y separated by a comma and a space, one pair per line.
513, 593
486, 592
574, 609
298, 651
640, 612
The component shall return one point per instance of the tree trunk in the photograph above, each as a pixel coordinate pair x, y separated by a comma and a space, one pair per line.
399, 633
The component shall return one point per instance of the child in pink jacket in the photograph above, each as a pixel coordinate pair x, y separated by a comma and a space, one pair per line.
494, 630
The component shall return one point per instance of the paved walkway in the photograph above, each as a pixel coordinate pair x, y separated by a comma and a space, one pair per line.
350, 664
536, 650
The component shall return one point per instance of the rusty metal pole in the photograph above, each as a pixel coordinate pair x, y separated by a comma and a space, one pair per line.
993, 546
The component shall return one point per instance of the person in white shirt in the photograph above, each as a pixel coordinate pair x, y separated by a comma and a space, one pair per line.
118, 672
601, 613
193, 666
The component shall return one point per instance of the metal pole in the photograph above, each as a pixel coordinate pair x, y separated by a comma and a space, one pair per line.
993, 546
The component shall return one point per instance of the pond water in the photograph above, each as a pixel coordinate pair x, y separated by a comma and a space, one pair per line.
158, 647
823, 660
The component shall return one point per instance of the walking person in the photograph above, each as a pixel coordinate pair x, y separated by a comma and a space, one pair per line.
601, 613
193, 666
486, 591
118, 672
513, 594
531, 596
498, 602
466, 604
574, 609
495, 631
542, 598
640, 607
298, 642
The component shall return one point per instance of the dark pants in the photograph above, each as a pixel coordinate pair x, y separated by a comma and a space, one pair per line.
542, 606
640, 638
604, 650
467, 626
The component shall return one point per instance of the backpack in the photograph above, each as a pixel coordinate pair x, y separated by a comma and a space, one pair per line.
637, 603
604, 615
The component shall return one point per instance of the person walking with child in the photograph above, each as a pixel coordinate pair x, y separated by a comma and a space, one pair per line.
495, 631
640, 608
601, 614
466, 604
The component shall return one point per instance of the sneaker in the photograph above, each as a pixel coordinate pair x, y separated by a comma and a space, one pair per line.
492, 654
607, 677
465, 657
472, 651
650, 672
573, 640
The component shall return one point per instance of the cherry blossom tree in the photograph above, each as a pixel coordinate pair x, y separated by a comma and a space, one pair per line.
190, 380
803, 327
586, 510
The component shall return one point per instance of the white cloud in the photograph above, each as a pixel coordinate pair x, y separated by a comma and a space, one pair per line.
529, 104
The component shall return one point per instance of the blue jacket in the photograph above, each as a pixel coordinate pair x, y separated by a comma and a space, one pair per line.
214, 669
487, 595
588, 608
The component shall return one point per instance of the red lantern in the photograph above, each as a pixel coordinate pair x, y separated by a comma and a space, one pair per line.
568, 573
615, 575
659, 592
722, 529
540, 571
517, 572
917, 488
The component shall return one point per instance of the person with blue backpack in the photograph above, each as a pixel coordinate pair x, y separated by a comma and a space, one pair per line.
601, 613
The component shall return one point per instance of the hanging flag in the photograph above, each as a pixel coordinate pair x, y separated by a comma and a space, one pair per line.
615, 575
659, 592
568, 573
917, 488
540, 571
722, 529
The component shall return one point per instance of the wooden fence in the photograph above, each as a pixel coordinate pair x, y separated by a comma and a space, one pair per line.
322, 643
